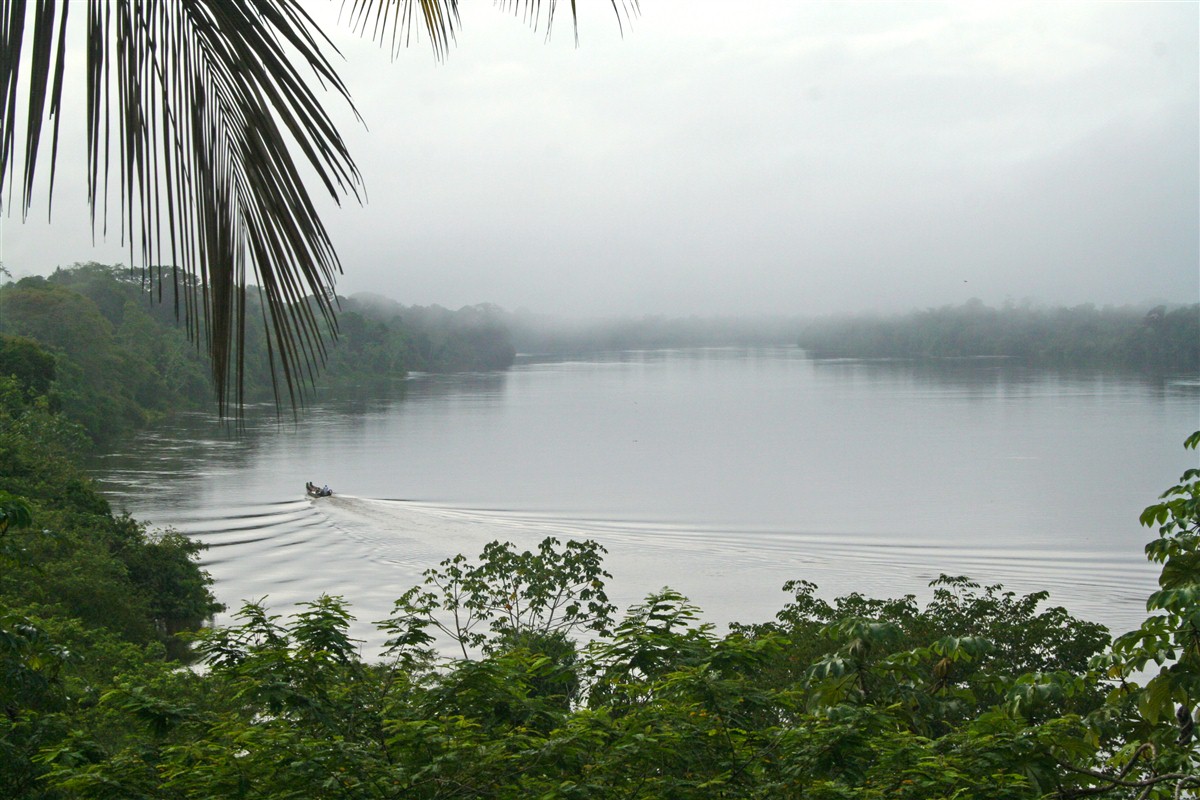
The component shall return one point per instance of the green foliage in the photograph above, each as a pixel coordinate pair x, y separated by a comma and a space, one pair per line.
431, 338
14, 513
943, 664
514, 596
28, 364
94, 343
108, 571
61, 548
655, 638
110, 370
667, 708
1170, 637
850, 698
31, 696
1084, 336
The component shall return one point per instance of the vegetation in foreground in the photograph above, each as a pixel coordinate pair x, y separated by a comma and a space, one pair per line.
980, 693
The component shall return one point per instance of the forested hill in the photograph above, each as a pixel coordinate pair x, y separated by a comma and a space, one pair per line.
429, 338
1162, 339
122, 359
84, 594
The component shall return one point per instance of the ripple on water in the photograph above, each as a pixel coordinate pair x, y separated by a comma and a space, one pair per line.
371, 551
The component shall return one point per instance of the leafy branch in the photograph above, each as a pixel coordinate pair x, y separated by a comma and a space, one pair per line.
550, 593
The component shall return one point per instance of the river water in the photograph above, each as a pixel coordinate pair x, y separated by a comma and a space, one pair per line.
719, 472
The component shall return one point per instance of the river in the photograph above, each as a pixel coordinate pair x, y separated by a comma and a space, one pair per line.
720, 472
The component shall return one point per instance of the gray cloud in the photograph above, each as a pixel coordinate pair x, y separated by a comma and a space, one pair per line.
805, 158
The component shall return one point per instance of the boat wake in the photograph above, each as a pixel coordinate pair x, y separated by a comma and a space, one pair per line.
370, 551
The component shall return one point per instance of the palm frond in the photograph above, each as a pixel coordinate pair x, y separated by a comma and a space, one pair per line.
391, 22
208, 110
201, 116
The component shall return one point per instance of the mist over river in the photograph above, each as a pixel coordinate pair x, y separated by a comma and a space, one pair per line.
721, 472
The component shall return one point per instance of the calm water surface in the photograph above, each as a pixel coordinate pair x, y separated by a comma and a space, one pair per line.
719, 472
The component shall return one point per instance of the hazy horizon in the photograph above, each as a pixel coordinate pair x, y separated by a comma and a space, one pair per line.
367, 296
803, 160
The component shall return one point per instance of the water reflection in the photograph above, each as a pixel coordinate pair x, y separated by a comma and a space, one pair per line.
720, 471
1008, 375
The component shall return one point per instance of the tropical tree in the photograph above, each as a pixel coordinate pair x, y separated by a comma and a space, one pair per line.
203, 115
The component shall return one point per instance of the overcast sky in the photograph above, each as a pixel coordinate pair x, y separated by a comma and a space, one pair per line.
764, 157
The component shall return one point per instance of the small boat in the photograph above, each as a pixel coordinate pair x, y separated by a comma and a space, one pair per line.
317, 491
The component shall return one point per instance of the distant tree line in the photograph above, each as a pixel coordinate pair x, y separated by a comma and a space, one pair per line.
546, 335
432, 338
1161, 339
121, 358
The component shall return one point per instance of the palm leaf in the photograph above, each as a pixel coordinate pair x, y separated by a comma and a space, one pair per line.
200, 115
391, 21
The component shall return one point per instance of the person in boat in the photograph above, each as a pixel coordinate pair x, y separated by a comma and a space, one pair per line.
326, 491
